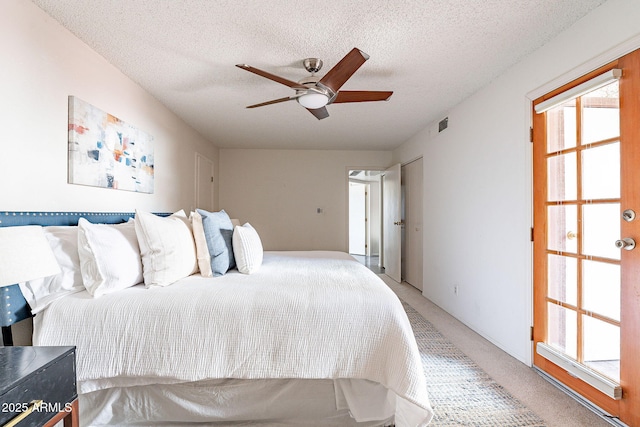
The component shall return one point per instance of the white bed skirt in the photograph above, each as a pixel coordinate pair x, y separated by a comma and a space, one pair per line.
237, 402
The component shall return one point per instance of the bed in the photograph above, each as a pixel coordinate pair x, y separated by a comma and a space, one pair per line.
309, 338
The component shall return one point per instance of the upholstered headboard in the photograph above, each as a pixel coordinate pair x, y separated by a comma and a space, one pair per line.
14, 307
10, 219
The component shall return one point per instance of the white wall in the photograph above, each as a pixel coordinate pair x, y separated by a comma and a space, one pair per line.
42, 64
477, 184
279, 191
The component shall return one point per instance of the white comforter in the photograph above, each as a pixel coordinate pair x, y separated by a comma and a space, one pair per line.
302, 315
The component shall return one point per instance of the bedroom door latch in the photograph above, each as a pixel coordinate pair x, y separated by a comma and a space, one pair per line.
401, 222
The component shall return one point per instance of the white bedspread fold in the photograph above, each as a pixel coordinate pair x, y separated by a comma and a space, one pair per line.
301, 315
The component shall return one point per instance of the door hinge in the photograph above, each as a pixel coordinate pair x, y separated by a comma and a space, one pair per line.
532, 234
531, 134
532, 333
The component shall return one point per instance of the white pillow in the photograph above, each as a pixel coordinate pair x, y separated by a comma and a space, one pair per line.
247, 248
202, 251
167, 248
40, 293
109, 257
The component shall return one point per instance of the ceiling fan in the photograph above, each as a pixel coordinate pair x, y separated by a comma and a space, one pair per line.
315, 94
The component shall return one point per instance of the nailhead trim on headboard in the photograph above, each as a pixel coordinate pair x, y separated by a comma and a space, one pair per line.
9, 219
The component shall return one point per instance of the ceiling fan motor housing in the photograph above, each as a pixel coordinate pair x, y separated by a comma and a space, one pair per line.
309, 80
312, 65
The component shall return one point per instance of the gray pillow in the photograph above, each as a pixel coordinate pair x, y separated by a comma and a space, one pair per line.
218, 231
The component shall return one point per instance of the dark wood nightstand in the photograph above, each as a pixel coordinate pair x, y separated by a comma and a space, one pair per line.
41, 380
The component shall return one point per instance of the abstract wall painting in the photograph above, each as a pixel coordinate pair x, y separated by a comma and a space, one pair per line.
106, 152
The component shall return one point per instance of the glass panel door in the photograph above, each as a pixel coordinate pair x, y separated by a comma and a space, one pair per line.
586, 167
583, 208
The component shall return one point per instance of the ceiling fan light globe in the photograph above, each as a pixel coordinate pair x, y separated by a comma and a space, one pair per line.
313, 101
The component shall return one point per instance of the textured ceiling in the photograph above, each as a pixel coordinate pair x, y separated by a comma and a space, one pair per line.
431, 53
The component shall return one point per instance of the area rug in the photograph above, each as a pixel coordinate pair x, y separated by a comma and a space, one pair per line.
461, 393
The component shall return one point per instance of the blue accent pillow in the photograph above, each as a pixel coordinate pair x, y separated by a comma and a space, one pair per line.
218, 231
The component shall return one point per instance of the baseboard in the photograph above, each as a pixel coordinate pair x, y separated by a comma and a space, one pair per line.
614, 421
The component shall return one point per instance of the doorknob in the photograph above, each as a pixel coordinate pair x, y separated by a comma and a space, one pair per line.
627, 243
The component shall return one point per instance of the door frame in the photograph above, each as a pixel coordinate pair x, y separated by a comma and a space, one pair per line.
540, 271
348, 169
584, 68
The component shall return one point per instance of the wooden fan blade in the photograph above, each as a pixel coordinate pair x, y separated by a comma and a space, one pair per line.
270, 76
362, 96
275, 101
340, 73
320, 113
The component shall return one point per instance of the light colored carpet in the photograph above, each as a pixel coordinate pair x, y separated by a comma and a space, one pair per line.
556, 408
461, 393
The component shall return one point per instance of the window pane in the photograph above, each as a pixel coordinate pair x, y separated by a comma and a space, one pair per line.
562, 228
563, 279
602, 347
562, 329
561, 127
601, 114
601, 288
601, 172
562, 177
601, 229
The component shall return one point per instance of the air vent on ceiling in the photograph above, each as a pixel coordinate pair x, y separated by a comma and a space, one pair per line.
444, 123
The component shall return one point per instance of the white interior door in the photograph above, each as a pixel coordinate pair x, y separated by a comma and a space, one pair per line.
204, 183
392, 222
357, 218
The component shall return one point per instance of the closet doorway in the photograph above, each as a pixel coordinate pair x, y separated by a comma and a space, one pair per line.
411, 188
204, 183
